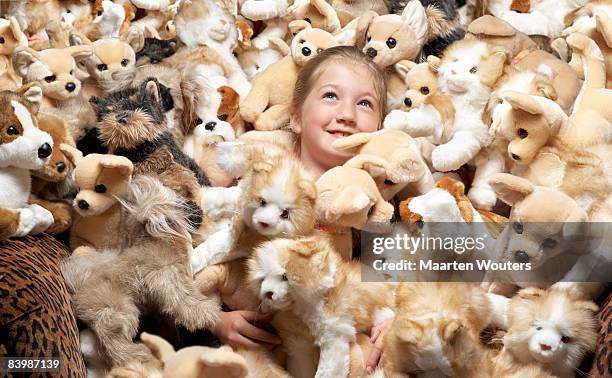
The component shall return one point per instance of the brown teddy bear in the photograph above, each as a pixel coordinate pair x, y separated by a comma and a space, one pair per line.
267, 105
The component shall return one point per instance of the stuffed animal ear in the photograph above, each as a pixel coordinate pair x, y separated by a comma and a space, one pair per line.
352, 142
20, 37
524, 102
279, 45
309, 188
159, 347
223, 363
33, 93
510, 189
152, 89
603, 24
135, 38
576, 226
415, 17
434, 63
531, 293
374, 165
327, 11
80, 52
150, 32
297, 26
122, 164
23, 58
72, 153
491, 26
403, 67
494, 67
78, 39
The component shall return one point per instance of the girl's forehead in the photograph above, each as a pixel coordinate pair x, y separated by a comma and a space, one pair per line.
352, 76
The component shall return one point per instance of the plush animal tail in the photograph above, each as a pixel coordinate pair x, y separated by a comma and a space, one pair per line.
164, 213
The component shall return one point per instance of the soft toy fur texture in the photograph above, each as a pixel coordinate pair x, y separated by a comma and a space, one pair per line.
267, 105
392, 158
443, 24
550, 328
12, 36
436, 329
318, 13
135, 127
309, 278
111, 287
53, 183
23, 146
33, 17
155, 51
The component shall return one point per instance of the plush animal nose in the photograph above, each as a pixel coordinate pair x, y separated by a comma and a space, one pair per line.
453, 72
371, 53
521, 256
269, 294
545, 347
306, 51
60, 167
210, 126
264, 224
408, 102
83, 205
70, 87
222, 21
44, 151
515, 157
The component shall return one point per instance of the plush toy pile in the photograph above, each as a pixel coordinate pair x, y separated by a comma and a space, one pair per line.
153, 137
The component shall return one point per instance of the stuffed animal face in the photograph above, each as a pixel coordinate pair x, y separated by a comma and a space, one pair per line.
308, 43
280, 198
544, 222
284, 270
470, 67
550, 327
100, 179
130, 117
54, 69
421, 81
22, 144
10, 36
155, 50
58, 166
109, 57
391, 38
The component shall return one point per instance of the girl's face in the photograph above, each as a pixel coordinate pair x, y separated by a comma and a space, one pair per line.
341, 102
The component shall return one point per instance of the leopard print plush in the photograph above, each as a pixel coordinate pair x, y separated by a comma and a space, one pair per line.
36, 315
602, 363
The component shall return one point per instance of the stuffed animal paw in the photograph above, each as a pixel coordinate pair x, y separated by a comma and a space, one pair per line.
33, 219
258, 10
213, 250
220, 202
419, 122
482, 198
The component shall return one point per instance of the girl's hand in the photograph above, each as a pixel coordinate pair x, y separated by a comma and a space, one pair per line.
377, 337
236, 329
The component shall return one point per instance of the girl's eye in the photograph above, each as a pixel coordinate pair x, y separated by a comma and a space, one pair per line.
365, 103
330, 95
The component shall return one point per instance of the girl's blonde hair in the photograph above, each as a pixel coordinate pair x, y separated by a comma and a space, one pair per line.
311, 71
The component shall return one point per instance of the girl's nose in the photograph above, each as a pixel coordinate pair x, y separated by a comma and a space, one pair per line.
346, 114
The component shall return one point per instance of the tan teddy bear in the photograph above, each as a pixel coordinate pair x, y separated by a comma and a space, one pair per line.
55, 70
11, 36
318, 13
267, 105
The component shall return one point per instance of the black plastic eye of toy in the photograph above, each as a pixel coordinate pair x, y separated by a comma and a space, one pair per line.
425, 90
549, 243
100, 188
12, 130
102, 67
285, 214
473, 70
389, 182
522, 133
50, 78
521, 256
391, 43
222, 117
2, 40
518, 227
420, 223
125, 62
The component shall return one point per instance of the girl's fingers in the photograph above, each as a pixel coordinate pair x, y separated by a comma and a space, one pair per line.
373, 358
239, 340
259, 334
375, 333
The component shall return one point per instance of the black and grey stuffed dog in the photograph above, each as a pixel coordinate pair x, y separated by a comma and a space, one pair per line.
155, 50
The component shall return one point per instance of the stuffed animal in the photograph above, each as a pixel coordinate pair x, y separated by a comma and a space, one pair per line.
390, 38
258, 10
155, 50
267, 105
255, 60
110, 19
12, 36
550, 328
55, 71
318, 13
392, 158
526, 56
112, 287
52, 183
307, 276
101, 179
23, 146
33, 17
593, 20
544, 17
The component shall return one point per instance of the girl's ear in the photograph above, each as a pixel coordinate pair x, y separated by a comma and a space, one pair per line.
296, 120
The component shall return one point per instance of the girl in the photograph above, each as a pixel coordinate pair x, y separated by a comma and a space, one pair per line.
338, 93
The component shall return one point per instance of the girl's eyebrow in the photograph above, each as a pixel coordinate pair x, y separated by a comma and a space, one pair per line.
361, 94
